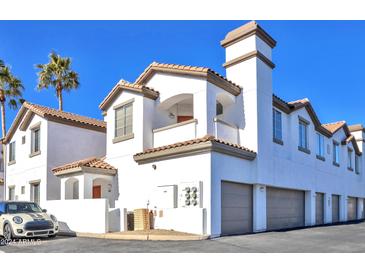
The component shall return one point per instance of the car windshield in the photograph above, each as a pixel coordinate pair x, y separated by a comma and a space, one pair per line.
23, 208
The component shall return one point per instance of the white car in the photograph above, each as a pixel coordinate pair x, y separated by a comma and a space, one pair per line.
25, 220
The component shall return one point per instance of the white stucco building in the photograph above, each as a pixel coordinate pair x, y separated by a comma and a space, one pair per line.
214, 155
41, 138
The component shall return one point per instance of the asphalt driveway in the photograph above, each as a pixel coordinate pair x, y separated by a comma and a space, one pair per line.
339, 238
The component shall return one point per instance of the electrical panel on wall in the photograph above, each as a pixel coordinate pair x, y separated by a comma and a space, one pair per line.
165, 197
190, 195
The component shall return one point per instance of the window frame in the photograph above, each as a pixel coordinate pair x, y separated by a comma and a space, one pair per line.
127, 135
320, 146
302, 123
277, 126
34, 152
11, 190
35, 185
350, 164
336, 153
11, 154
357, 164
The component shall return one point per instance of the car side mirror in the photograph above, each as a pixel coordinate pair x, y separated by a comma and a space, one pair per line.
44, 210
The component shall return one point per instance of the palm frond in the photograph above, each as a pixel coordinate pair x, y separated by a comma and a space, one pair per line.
57, 73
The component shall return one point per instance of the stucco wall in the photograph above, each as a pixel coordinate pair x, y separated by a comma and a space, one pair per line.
59, 144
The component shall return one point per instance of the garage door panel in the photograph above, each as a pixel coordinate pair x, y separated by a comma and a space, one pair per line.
236, 208
285, 208
319, 208
335, 208
235, 200
351, 208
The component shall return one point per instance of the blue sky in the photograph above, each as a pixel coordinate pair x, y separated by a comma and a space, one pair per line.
321, 60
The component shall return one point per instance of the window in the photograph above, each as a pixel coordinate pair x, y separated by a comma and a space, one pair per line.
277, 126
23, 140
357, 164
303, 135
12, 152
11, 192
219, 109
349, 159
34, 192
23, 190
336, 153
1, 165
320, 146
124, 120
35, 140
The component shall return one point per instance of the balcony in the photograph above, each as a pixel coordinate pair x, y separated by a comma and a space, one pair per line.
226, 131
178, 132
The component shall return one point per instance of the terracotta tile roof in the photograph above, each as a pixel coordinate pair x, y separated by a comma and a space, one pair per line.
299, 103
55, 115
92, 162
192, 70
334, 127
122, 84
72, 117
207, 138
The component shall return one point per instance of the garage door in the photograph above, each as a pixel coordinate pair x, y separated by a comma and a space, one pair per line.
319, 208
284, 208
236, 208
335, 208
351, 208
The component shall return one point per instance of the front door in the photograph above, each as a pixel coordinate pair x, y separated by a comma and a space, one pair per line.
96, 192
184, 118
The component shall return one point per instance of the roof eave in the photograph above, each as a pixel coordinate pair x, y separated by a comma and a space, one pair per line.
190, 150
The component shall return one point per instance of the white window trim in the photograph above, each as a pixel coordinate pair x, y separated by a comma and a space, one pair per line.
277, 139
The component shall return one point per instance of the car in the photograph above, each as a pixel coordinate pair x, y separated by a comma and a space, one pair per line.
25, 220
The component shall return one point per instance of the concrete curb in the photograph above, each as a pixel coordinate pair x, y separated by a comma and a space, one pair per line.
143, 237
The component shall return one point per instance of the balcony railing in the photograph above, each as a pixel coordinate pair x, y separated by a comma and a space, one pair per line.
175, 133
226, 131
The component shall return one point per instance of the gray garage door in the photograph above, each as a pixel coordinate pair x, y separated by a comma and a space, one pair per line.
284, 208
335, 208
236, 208
351, 208
319, 208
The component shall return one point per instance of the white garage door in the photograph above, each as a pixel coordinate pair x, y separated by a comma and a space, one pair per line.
236, 208
351, 208
319, 208
284, 208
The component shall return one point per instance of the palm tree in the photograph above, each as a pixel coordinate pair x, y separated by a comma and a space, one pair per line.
58, 74
10, 90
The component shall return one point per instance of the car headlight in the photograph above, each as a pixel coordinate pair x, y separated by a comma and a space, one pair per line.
53, 218
18, 220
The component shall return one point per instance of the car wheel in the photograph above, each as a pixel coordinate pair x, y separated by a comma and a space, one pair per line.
52, 236
8, 233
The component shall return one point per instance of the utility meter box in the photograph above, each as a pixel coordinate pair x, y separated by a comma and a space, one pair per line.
190, 194
165, 196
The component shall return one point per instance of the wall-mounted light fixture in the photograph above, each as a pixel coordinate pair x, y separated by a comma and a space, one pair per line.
109, 187
154, 166
171, 115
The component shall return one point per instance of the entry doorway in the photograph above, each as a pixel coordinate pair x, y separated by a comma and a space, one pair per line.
96, 192
181, 119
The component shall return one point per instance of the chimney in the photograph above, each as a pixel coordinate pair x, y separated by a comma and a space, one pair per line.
249, 64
